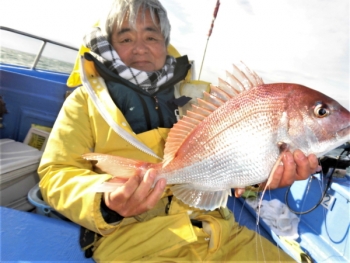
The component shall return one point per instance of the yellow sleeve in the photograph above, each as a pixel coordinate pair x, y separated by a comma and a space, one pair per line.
66, 179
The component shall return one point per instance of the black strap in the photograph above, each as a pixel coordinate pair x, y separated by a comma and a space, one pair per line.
87, 240
109, 215
167, 207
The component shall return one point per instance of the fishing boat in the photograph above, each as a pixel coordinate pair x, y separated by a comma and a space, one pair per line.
309, 220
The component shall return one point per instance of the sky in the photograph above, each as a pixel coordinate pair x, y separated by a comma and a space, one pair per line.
295, 41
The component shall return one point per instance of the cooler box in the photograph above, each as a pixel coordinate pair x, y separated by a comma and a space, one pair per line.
18, 173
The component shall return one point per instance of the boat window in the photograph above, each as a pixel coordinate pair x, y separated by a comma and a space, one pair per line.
57, 58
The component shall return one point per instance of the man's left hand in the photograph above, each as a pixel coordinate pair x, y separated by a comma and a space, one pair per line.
295, 167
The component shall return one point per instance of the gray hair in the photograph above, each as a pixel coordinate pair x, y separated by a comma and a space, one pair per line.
122, 8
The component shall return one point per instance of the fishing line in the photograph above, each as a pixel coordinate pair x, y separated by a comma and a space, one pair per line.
329, 181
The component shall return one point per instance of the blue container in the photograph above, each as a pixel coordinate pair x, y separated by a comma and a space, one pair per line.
42, 208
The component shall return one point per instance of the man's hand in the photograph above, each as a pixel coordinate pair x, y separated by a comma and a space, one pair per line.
295, 167
136, 196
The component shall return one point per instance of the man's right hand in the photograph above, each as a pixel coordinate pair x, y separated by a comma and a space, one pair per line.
136, 196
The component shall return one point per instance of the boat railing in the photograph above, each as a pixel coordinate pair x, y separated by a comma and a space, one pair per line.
38, 55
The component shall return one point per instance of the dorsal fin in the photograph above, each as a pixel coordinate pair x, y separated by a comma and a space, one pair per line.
235, 83
251, 75
219, 93
210, 97
238, 81
206, 105
200, 110
239, 76
226, 87
193, 114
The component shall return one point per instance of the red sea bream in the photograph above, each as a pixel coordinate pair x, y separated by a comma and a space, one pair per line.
235, 136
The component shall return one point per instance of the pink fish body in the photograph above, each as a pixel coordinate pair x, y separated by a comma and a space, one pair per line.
234, 140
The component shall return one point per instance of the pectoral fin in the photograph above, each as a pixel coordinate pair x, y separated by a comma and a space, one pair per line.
283, 147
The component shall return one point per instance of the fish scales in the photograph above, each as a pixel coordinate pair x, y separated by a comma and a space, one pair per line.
208, 158
237, 144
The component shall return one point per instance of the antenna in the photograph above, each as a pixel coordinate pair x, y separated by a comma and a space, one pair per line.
216, 10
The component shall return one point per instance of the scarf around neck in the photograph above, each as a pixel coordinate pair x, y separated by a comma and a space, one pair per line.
103, 51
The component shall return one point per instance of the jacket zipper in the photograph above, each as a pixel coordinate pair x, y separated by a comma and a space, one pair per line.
156, 101
147, 113
159, 111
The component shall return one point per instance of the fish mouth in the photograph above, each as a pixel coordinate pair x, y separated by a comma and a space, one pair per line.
343, 134
341, 137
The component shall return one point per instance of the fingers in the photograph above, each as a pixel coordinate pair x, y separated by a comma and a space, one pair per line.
128, 189
146, 189
155, 194
118, 199
137, 195
276, 180
284, 175
239, 192
314, 164
295, 167
305, 165
289, 174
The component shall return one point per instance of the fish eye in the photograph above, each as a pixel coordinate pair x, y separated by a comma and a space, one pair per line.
321, 111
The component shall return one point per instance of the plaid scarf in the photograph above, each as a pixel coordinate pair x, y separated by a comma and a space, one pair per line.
102, 50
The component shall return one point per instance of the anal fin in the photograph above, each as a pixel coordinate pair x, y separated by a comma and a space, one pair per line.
202, 199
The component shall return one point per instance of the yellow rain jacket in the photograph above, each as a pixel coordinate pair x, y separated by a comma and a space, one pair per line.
67, 183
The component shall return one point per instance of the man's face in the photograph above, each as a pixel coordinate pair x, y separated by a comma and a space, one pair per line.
144, 48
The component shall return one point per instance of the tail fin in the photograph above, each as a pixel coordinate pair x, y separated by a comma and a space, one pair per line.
119, 167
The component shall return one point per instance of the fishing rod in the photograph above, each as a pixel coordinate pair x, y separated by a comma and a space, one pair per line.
216, 10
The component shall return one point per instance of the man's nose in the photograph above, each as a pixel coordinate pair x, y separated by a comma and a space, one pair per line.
140, 47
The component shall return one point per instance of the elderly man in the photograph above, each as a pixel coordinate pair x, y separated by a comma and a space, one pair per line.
122, 106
